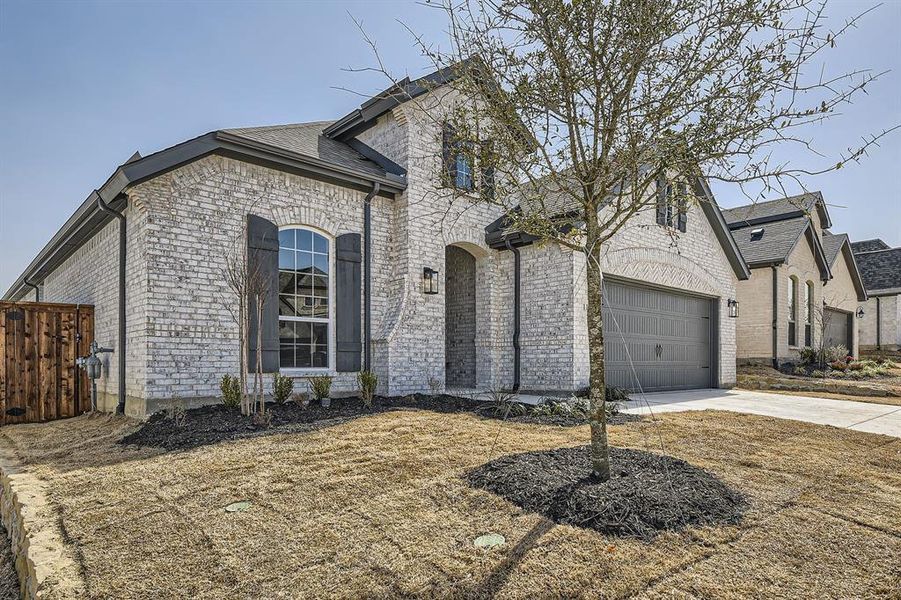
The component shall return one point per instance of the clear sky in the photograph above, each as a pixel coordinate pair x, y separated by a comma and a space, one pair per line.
85, 84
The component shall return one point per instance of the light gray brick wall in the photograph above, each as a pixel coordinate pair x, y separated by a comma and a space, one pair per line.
91, 276
889, 314
460, 318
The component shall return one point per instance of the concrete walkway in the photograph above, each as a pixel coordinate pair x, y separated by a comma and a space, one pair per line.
861, 416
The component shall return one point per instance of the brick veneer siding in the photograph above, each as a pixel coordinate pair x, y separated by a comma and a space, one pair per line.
889, 313
91, 276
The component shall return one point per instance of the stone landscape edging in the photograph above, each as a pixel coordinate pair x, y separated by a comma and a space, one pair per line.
43, 562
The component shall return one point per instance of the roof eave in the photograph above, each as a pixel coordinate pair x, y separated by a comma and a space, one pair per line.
87, 218
721, 230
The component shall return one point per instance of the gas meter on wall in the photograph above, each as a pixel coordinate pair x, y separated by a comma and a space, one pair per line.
93, 368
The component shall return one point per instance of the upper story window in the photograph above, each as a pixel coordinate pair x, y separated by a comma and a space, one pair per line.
459, 168
808, 314
672, 204
304, 297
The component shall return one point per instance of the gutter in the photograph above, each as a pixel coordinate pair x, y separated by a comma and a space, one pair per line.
103, 206
367, 275
516, 314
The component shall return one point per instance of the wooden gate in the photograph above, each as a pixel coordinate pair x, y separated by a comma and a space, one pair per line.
39, 342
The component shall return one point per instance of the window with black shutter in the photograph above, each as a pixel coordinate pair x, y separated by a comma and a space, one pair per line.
672, 204
457, 167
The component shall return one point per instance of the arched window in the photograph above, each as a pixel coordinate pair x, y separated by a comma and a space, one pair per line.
792, 311
304, 295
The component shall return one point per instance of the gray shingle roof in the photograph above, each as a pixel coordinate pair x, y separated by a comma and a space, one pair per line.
777, 241
772, 209
869, 246
832, 245
307, 139
880, 269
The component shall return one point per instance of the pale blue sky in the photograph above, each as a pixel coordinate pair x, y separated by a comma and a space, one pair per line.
85, 84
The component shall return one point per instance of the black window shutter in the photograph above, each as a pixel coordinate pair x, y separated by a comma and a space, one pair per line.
262, 259
683, 208
448, 156
661, 200
348, 291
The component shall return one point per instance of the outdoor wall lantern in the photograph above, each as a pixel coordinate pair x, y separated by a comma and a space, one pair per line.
860, 312
429, 281
733, 308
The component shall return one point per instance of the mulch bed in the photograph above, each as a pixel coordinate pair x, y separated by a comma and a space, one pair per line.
9, 580
646, 494
214, 423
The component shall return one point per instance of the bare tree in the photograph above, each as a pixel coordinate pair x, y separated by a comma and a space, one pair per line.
593, 111
251, 290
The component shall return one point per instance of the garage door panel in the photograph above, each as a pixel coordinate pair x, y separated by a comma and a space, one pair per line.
661, 338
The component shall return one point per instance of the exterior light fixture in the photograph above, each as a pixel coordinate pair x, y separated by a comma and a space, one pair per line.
860, 312
429, 281
733, 308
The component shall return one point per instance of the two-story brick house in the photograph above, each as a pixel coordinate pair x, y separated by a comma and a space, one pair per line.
374, 263
805, 287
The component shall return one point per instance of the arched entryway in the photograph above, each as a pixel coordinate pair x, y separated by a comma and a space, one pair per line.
459, 318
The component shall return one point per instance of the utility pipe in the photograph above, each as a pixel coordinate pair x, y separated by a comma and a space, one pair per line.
367, 275
120, 407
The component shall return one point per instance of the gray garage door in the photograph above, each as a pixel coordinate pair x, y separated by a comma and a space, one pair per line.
836, 328
660, 337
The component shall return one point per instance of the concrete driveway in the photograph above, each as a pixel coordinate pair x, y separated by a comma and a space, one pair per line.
861, 416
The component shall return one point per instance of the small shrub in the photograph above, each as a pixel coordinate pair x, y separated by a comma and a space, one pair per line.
321, 386
282, 386
435, 385
301, 399
175, 410
502, 403
799, 371
817, 373
837, 374
616, 394
855, 366
808, 356
838, 365
262, 420
835, 353
367, 380
231, 392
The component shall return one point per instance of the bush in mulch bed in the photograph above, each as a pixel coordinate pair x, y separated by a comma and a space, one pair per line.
646, 494
215, 423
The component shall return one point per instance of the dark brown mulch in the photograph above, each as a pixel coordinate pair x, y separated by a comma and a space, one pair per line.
9, 580
214, 423
646, 494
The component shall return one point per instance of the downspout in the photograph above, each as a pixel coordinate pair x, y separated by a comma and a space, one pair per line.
37, 290
120, 407
775, 317
878, 323
516, 311
367, 275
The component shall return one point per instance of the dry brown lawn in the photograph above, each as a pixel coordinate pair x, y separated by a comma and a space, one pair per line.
376, 508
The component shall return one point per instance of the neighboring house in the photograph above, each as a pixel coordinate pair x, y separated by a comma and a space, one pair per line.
805, 287
375, 261
880, 267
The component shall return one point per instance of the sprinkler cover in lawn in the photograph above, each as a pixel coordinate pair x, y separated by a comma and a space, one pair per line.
489, 540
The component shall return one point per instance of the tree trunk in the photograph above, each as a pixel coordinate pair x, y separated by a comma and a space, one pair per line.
600, 453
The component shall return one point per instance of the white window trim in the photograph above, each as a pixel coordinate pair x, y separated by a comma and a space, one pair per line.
330, 368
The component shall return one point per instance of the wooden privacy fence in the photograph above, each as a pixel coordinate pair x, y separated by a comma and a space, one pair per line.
39, 342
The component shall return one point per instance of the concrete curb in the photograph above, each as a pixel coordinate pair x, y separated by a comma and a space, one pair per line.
44, 563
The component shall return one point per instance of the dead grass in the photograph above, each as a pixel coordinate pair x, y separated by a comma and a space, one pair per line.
376, 508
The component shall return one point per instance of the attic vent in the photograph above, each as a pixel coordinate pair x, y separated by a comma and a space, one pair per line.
756, 234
